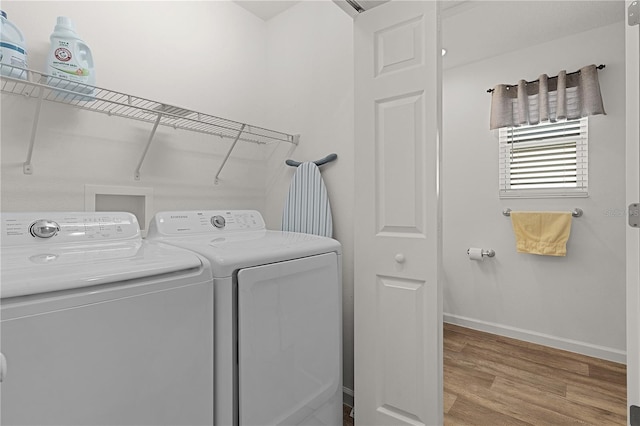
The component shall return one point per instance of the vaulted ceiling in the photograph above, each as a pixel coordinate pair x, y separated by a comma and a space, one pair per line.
477, 29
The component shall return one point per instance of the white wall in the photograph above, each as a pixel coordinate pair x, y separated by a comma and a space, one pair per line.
205, 56
289, 74
575, 302
310, 91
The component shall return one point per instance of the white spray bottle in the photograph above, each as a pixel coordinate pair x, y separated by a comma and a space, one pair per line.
70, 63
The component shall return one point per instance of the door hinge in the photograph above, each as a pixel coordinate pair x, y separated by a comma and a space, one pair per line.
634, 215
633, 13
634, 415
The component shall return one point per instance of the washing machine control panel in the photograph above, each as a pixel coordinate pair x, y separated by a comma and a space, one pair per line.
206, 221
67, 227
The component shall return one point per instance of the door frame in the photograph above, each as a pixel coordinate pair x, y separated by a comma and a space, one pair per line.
632, 63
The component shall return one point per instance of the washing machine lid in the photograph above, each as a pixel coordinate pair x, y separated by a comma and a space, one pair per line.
241, 242
80, 250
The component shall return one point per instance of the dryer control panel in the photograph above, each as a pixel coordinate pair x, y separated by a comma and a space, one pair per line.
205, 221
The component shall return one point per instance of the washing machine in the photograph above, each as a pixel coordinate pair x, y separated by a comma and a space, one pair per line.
99, 327
278, 310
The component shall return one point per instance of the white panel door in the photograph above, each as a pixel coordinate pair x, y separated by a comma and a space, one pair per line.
398, 297
633, 196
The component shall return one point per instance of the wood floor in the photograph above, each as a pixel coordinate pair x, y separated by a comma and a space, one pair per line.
347, 420
491, 380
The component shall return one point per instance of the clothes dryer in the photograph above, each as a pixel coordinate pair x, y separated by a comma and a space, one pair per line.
99, 327
278, 310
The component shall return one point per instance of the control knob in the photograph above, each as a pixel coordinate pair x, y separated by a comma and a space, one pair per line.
218, 221
44, 228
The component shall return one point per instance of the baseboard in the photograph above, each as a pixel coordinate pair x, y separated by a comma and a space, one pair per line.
347, 396
583, 348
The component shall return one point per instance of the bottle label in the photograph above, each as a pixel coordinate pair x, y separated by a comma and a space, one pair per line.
64, 66
62, 54
12, 46
11, 54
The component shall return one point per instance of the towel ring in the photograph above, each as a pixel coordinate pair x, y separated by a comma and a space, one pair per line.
577, 212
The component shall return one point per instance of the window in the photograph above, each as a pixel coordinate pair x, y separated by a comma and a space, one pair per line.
544, 160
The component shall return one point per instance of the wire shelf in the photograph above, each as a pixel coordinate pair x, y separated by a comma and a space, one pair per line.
43, 87
34, 84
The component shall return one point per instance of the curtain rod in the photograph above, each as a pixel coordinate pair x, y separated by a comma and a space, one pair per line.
529, 82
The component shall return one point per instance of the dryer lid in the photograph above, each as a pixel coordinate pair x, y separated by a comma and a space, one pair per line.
231, 252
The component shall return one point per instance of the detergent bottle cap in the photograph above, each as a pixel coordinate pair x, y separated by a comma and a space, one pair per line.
65, 24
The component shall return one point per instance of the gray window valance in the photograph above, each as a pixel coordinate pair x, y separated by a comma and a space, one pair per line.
566, 96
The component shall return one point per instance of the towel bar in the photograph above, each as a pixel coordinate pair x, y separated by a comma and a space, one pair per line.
575, 213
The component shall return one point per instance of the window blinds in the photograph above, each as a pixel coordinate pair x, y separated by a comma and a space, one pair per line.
544, 160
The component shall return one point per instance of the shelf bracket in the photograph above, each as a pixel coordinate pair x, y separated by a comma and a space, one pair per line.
27, 168
146, 148
233, 145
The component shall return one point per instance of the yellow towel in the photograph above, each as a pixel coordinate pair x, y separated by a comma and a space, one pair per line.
544, 233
